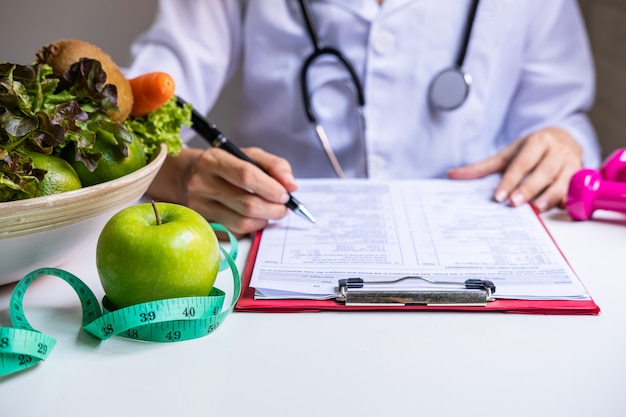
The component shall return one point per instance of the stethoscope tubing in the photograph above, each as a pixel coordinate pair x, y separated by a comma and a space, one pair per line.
304, 80
443, 102
447, 91
469, 24
320, 50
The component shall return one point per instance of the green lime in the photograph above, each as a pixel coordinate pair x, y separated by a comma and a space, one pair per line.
59, 177
113, 163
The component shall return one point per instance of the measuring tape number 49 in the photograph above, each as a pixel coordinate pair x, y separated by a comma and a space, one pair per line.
171, 320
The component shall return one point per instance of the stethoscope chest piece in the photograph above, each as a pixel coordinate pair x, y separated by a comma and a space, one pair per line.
449, 89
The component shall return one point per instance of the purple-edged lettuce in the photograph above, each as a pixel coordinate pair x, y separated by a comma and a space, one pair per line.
42, 112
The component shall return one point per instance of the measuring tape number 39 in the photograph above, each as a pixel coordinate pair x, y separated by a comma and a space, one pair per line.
170, 320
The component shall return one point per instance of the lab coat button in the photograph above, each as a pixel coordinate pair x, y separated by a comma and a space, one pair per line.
383, 42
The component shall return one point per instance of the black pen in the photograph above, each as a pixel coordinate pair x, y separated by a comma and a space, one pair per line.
217, 139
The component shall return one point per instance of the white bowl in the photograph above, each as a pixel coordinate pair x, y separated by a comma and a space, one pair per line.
47, 231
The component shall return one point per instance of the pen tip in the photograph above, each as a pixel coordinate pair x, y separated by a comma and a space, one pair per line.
303, 212
298, 208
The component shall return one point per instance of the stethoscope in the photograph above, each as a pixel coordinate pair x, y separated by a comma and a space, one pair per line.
447, 91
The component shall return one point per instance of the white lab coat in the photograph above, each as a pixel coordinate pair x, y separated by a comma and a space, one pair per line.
530, 63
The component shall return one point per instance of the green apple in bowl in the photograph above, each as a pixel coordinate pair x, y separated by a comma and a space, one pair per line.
157, 251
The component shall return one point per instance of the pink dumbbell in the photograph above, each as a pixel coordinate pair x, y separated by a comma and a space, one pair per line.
588, 192
614, 166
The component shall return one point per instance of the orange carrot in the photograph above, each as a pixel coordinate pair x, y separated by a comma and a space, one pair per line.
150, 91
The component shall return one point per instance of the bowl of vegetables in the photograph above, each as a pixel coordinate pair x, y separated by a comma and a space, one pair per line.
68, 159
49, 230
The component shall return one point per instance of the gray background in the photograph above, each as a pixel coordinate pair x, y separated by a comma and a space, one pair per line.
26, 25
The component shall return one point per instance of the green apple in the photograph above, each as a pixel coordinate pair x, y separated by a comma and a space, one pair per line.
156, 251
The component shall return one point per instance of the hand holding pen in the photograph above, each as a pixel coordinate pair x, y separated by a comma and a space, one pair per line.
239, 196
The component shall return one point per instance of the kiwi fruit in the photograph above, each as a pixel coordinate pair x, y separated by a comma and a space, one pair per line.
61, 54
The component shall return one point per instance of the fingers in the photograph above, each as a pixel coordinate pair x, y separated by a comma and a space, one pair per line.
244, 175
541, 170
492, 165
236, 193
277, 167
519, 169
536, 168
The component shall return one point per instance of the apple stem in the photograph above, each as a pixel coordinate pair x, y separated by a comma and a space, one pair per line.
156, 213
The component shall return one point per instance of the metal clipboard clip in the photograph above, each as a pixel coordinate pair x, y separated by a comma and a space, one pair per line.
471, 292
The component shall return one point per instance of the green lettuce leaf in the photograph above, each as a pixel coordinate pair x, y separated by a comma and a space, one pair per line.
161, 126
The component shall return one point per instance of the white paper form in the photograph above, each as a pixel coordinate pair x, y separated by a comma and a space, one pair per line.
440, 229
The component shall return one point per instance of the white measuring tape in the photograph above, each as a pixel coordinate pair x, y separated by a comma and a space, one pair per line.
171, 320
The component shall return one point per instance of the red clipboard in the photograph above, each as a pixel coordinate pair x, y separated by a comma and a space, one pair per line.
247, 303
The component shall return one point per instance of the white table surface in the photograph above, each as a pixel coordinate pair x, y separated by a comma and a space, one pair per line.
344, 363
